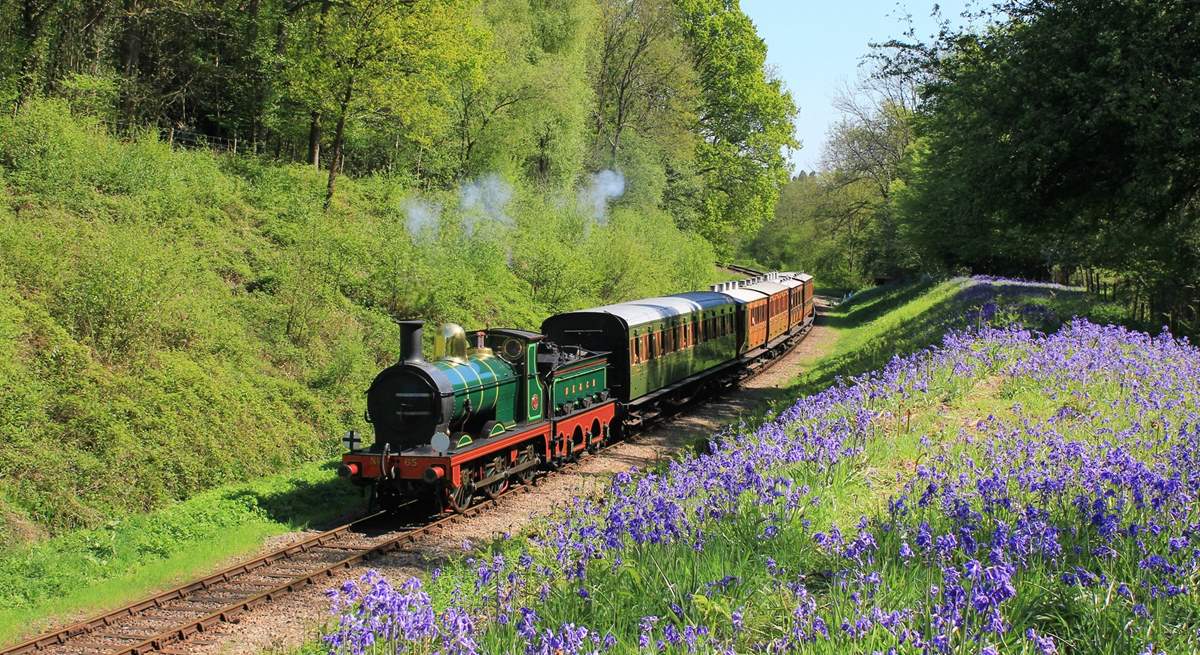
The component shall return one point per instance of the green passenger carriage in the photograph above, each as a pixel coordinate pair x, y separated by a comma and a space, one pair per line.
654, 343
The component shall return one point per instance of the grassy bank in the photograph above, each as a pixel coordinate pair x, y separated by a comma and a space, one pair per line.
172, 321
877, 324
86, 571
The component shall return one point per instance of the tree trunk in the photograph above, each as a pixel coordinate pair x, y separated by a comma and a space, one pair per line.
339, 135
314, 140
33, 17
314, 124
131, 52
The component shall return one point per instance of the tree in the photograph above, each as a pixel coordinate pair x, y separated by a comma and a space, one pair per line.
382, 57
32, 18
1067, 134
865, 156
643, 79
520, 110
745, 121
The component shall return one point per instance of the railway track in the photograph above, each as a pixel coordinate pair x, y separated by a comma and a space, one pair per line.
741, 270
163, 622
160, 623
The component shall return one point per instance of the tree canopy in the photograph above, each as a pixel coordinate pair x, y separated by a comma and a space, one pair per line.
672, 94
1060, 139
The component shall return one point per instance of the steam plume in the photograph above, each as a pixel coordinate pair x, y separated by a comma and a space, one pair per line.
420, 215
601, 188
484, 198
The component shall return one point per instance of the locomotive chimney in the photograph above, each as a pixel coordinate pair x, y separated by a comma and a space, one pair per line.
410, 341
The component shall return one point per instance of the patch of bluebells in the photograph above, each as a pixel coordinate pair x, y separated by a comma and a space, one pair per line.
1112, 516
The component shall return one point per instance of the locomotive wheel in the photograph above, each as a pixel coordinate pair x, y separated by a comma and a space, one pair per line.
460, 498
527, 455
493, 467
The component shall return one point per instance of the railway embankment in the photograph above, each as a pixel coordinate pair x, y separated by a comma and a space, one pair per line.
172, 321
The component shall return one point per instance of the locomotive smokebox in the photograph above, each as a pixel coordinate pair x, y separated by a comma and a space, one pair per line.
410, 341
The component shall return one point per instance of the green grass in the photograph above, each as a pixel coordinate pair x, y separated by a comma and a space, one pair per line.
900, 318
86, 571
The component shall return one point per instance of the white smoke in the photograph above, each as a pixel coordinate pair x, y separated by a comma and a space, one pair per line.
601, 188
420, 216
484, 199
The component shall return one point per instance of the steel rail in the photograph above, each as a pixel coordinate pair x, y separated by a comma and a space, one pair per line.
62, 635
166, 638
741, 270
229, 612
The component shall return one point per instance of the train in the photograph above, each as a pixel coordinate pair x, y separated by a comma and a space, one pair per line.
495, 407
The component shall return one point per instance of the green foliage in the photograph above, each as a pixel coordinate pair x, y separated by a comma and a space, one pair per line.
746, 122
171, 321
811, 232
843, 223
1063, 137
672, 94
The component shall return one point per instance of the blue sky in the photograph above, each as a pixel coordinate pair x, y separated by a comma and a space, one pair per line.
815, 46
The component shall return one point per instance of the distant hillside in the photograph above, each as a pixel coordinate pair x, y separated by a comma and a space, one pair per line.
172, 320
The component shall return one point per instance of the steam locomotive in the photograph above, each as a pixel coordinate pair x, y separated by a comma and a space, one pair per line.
497, 406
